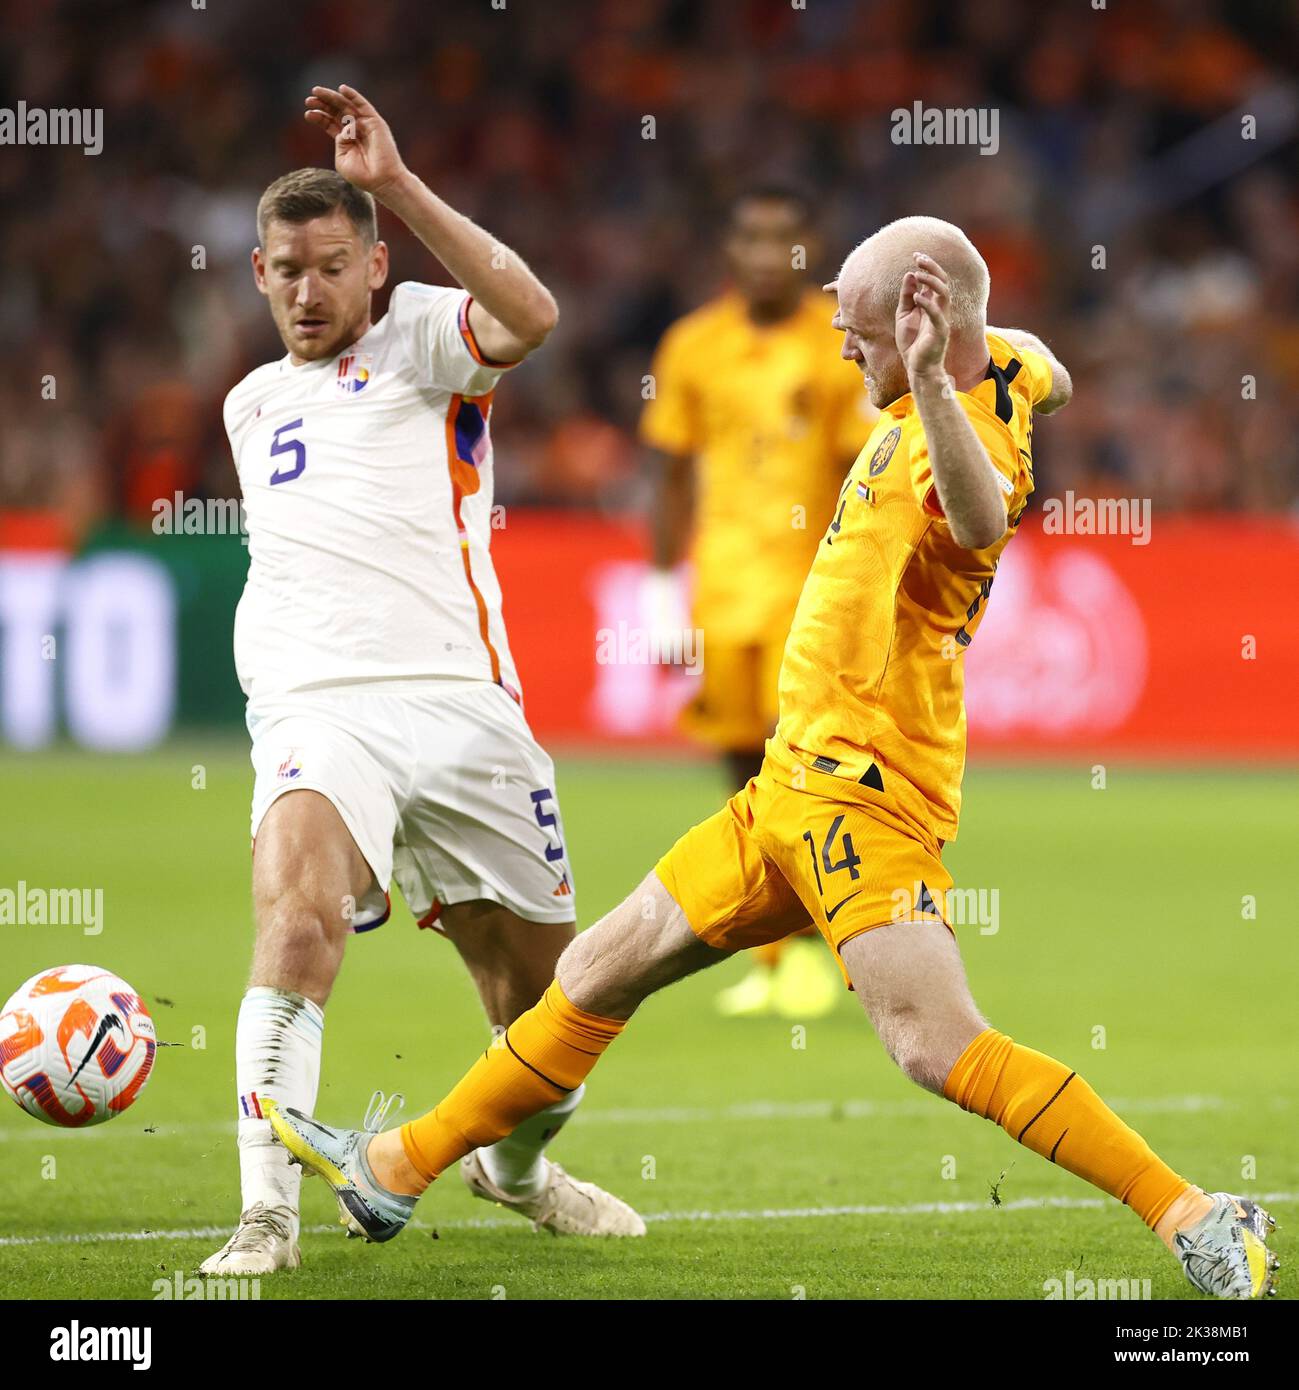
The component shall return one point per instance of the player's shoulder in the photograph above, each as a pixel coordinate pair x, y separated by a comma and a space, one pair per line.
258, 377
241, 399
1025, 373
425, 318
1011, 383
420, 309
416, 296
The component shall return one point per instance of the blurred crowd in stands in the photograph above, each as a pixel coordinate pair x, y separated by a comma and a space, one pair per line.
1131, 215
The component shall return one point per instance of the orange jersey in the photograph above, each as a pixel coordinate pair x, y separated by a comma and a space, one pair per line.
771, 416
872, 683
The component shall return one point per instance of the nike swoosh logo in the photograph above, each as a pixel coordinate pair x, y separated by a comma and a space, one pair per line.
829, 914
108, 1021
301, 1119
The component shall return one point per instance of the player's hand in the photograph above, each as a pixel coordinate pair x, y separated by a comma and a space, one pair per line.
364, 151
921, 329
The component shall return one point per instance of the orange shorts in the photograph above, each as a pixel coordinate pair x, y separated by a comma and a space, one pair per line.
798, 845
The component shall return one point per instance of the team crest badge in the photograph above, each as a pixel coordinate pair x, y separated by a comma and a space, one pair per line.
880, 458
354, 372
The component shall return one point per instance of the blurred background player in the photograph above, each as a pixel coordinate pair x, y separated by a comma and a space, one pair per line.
753, 423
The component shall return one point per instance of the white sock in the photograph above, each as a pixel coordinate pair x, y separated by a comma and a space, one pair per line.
277, 1053
514, 1163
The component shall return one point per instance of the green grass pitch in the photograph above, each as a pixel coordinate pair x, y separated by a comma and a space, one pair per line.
767, 1170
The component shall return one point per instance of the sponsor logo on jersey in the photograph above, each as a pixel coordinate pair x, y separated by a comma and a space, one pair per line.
354, 372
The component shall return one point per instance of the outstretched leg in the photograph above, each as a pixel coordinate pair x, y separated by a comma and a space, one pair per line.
602, 977
911, 981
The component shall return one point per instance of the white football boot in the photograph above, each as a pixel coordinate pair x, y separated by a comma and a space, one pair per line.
262, 1244
564, 1206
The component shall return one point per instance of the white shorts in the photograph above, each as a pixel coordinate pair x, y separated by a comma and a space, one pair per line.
441, 784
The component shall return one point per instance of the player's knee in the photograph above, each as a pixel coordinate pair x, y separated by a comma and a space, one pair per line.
617, 964
589, 974
916, 1046
573, 960
924, 1068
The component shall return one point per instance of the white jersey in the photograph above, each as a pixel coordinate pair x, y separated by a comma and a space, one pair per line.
367, 487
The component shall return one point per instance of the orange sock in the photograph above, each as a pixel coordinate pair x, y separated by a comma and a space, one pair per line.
542, 1056
1053, 1111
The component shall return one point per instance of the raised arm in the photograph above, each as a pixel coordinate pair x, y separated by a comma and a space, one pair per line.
966, 481
512, 311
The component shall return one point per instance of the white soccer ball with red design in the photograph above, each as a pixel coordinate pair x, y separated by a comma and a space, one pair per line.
76, 1045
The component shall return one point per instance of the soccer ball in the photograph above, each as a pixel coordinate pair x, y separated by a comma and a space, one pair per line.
76, 1045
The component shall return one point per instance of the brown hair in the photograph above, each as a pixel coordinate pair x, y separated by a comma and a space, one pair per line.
309, 193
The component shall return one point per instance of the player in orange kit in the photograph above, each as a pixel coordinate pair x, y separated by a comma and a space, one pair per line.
752, 424
858, 793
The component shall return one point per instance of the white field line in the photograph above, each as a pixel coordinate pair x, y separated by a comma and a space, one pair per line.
666, 1218
756, 1110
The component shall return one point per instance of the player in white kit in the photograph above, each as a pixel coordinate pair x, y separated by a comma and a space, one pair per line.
389, 741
